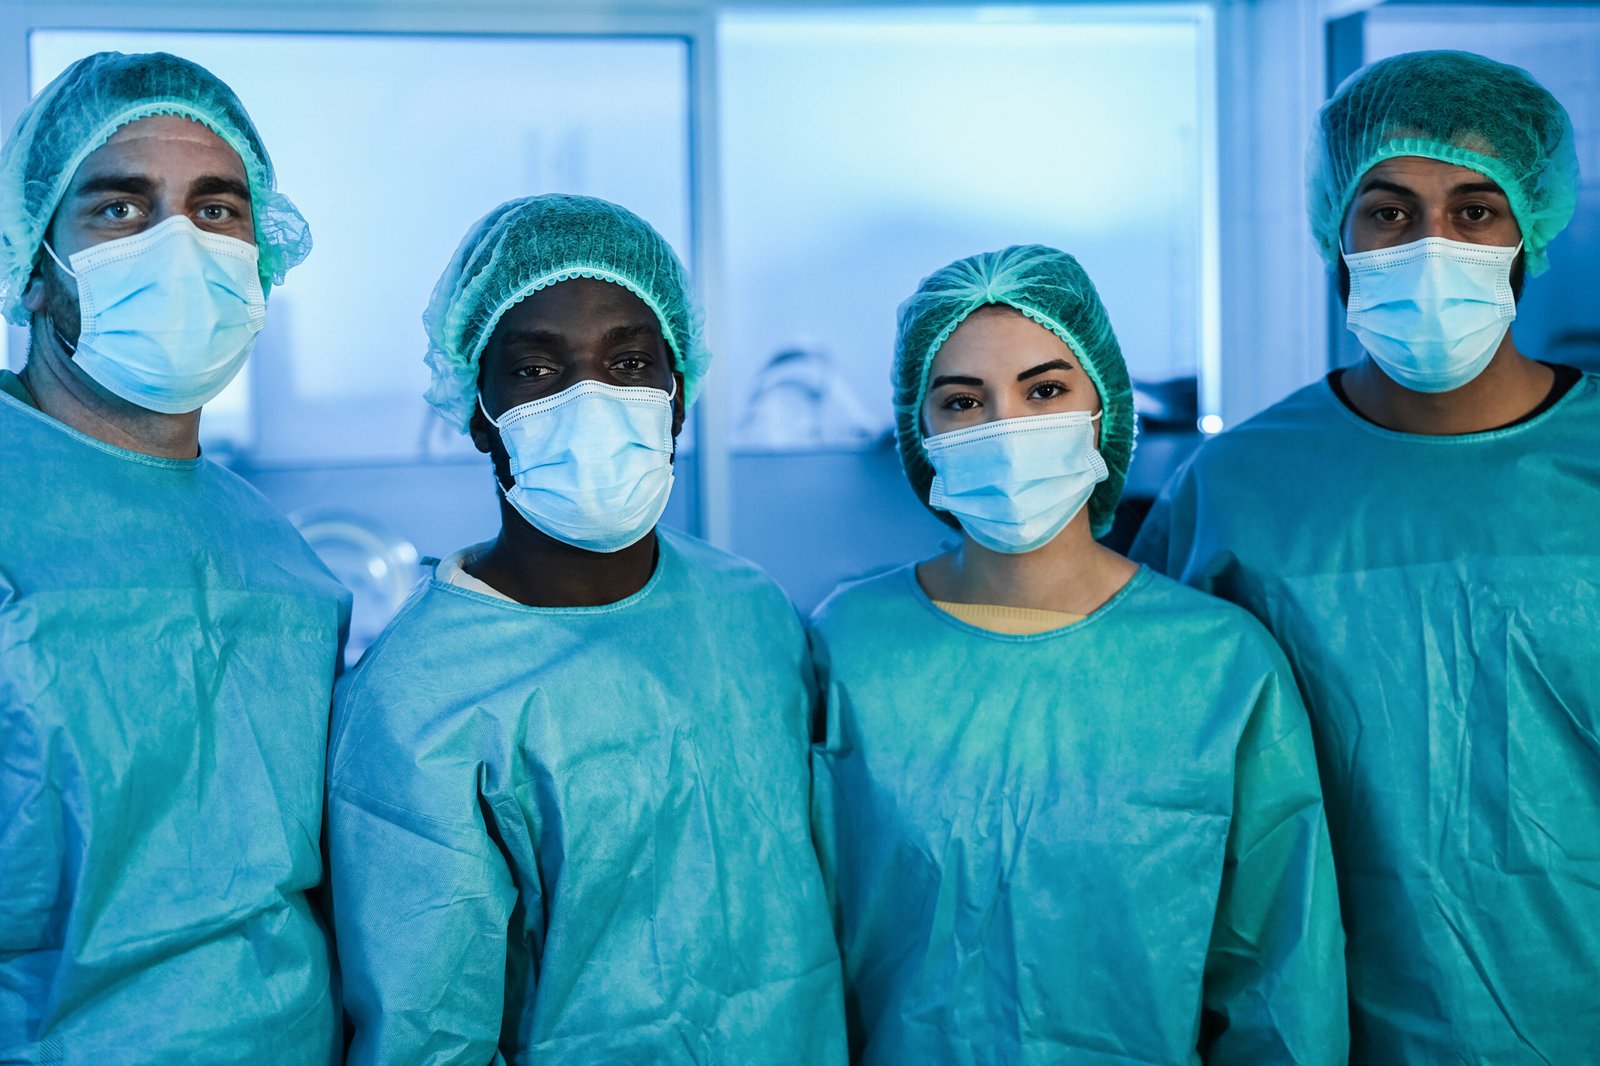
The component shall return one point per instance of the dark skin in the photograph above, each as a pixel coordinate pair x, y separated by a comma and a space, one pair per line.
578, 330
1406, 199
149, 171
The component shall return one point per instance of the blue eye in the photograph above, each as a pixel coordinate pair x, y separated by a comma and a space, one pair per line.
120, 211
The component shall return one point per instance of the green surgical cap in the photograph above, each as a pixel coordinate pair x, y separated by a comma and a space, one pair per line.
80, 110
530, 244
1459, 108
1049, 287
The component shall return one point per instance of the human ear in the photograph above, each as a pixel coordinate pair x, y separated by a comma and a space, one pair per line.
33, 295
678, 409
483, 434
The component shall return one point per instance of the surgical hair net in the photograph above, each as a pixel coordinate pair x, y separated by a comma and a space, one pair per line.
79, 112
526, 245
1459, 108
1052, 289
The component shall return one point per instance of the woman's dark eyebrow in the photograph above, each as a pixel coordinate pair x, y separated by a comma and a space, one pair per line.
1054, 364
954, 379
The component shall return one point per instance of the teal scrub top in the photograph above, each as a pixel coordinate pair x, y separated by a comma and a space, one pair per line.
1439, 598
1098, 844
167, 654
581, 834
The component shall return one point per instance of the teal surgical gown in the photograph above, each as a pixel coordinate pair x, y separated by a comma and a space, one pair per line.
1439, 599
580, 835
1100, 844
167, 651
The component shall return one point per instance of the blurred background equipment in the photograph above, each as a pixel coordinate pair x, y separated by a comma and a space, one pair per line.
377, 567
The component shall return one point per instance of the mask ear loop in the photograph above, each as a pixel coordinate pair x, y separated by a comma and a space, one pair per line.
487, 416
68, 271
72, 349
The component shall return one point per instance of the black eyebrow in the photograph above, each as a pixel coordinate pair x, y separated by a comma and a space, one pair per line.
1054, 364
622, 334
137, 184
1467, 188
1376, 184
534, 338
217, 185
953, 379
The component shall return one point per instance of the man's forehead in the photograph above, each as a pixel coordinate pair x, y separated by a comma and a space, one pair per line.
160, 146
1421, 173
582, 304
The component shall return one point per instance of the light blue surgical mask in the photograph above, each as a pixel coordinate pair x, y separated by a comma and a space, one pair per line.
167, 317
1432, 313
592, 464
1016, 483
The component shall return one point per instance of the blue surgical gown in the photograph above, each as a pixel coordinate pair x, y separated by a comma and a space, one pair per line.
1439, 598
167, 651
580, 834
1075, 846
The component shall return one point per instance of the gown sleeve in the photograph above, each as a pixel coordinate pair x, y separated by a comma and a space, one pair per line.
1166, 536
422, 893
1274, 979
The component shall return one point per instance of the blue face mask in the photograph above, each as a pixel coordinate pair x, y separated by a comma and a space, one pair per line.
167, 317
1016, 483
592, 464
1432, 313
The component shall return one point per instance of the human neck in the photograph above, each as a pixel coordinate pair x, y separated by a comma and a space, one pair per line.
63, 393
1509, 387
537, 570
1071, 574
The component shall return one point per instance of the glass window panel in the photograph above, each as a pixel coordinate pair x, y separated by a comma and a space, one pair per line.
862, 151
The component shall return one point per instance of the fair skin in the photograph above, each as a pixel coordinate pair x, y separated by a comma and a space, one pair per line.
148, 172
1406, 199
573, 331
999, 365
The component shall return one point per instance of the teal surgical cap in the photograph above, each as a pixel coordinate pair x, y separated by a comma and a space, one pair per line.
1049, 287
1459, 108
80, 110
530, 244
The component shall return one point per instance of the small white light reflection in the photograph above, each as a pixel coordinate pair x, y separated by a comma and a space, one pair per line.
1211, 425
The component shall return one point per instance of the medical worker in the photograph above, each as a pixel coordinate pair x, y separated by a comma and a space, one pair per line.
167, 641
1068, 809
1421, 532
568, 785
